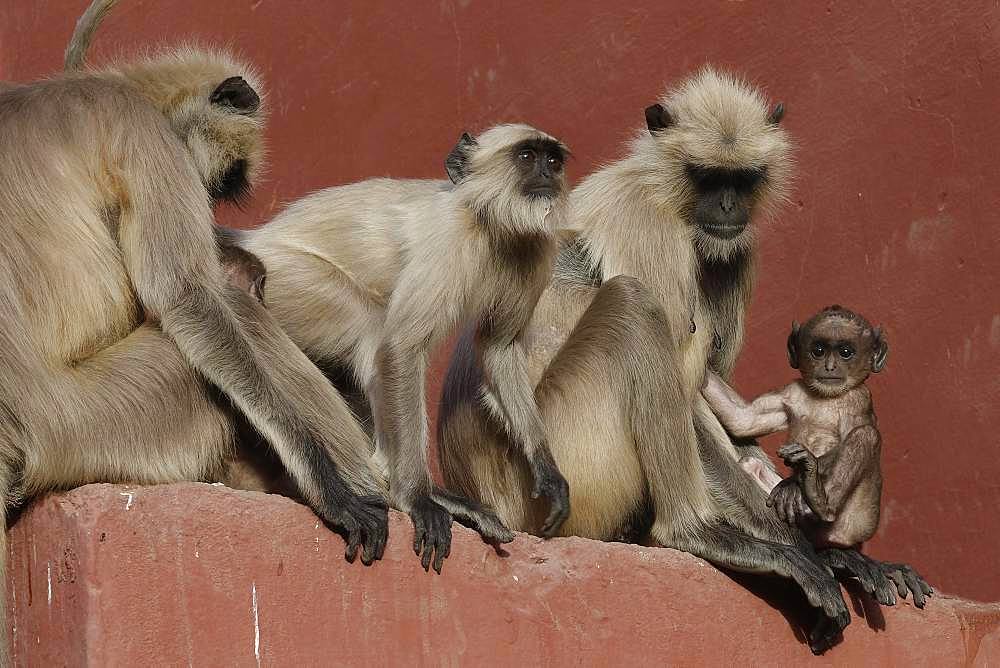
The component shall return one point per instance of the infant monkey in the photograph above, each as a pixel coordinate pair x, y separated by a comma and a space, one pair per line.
833, 439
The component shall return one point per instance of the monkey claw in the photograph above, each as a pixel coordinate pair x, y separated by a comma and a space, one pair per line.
172, 574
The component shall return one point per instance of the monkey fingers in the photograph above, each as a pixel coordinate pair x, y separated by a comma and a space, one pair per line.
551, 484
826, 631
797, 457
365, 521
431, 533
782, 499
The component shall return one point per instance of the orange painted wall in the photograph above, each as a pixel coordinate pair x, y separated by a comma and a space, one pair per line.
896, 210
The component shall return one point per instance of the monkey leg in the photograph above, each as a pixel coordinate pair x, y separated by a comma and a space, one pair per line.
730, 548
134, 412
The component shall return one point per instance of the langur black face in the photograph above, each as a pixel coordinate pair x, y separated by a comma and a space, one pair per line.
234, 96
836, 352
539, 164
725, 198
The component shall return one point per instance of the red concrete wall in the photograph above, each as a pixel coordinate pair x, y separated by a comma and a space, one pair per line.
893, 108
154, 576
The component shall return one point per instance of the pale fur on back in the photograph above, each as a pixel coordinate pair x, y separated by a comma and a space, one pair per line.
374, 275
362, 237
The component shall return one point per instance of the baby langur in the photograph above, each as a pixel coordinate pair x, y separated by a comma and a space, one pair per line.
834, 442
372, 276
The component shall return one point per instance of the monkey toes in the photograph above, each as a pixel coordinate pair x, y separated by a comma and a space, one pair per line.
431, 533
907, 580
853, 564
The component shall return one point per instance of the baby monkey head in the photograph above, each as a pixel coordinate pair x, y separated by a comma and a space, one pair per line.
836, 350
510, 176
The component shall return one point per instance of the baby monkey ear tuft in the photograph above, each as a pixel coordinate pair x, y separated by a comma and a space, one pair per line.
880, 350
776, 114
793, 346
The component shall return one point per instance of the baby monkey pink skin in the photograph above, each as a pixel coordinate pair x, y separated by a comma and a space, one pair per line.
833, 444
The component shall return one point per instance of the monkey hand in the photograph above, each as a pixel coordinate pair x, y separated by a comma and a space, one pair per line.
788, 501
551, 484
364, 522
798, 458
431, 532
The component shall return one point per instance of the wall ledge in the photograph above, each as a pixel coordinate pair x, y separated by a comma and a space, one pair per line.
201, 574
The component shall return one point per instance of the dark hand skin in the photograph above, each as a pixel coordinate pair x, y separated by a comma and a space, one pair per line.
551, 484
364, 523
788, 501
806, 468
431, 532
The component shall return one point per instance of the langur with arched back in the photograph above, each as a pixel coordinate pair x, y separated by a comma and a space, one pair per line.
119, 333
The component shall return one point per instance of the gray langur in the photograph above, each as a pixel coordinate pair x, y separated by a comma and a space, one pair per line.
122, 345
368, 278
653, 287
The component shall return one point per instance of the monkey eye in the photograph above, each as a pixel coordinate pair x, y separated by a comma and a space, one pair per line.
818, 350
526, 154
846, 352
555, 163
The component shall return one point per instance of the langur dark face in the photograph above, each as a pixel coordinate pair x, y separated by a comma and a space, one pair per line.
836, 354
539, 163
725, 198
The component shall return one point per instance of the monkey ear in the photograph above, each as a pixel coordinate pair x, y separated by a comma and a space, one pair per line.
880, 350
657, 118
235, 92
456, 164
776, 114
793, 346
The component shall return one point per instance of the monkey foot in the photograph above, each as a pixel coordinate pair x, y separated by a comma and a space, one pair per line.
431, 532
852, 564
475, 516
907, 579
883, 580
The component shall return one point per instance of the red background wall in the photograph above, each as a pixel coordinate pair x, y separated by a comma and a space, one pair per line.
893, 108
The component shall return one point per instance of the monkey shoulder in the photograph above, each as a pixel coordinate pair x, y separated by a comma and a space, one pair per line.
858, 401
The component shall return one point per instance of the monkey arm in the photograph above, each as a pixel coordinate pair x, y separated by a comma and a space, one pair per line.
165, 233
839, 471
511, 398
765, 415
412, 325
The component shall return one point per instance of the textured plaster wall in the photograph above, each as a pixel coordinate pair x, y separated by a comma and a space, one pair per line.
893, 107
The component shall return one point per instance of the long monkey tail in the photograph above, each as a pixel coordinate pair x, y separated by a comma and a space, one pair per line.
86, 26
